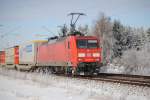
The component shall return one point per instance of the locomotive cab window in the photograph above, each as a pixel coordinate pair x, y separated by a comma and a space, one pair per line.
82, 43
87, 43
92, 44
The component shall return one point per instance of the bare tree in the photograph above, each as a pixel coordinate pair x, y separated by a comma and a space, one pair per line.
103, 30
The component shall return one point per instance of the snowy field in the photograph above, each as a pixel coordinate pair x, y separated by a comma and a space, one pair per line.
33, 86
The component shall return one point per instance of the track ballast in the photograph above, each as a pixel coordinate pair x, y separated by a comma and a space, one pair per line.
136, 80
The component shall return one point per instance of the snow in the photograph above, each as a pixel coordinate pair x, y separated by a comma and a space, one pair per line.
111, 68
16, 89
122, 69
34, 86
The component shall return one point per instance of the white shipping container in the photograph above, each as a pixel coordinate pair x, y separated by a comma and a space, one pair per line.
10, 55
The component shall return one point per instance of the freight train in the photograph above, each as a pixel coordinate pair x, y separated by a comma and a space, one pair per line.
73, 53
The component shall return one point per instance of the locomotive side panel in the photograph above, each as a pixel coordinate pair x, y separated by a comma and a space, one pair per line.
53, 54
60, 53
42, 55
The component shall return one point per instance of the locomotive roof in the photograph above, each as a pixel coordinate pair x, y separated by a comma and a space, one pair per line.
86, 37
76, 37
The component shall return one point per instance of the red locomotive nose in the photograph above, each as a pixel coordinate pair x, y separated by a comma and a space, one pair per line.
88, 50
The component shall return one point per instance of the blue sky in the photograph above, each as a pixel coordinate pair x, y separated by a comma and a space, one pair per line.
21, 20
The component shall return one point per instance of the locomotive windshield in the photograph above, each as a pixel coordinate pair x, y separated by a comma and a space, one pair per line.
87, 43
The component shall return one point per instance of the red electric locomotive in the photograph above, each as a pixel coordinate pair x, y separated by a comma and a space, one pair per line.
73, 53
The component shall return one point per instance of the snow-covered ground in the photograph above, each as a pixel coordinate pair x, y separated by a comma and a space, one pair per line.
120, 69
34, 86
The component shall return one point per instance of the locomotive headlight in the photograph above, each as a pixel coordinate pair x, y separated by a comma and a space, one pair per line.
96, 54
81, 54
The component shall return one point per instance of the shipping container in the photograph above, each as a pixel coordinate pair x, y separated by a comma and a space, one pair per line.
12, 55
9, 55
2, 57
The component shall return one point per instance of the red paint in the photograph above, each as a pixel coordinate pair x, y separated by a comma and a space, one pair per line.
50, 53
16, 55
2, 57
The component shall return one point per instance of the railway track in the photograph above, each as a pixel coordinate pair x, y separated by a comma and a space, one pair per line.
137, 80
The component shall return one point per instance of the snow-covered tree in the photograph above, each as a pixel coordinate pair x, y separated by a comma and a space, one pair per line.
118, 38
137, 61
148, 34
